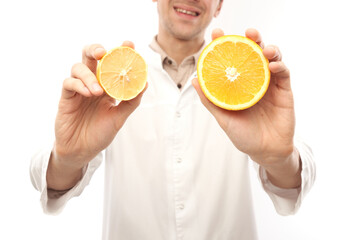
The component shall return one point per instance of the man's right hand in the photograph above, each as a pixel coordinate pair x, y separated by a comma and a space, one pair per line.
87, 120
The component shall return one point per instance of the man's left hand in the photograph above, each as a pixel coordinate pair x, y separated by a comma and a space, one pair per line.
266, 130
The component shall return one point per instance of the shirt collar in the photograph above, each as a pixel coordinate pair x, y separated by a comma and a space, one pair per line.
154, 45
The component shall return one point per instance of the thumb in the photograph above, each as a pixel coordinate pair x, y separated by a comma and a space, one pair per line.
217, 32
128, 44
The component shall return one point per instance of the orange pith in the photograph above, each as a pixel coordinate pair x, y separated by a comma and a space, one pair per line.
233, 73
122, 73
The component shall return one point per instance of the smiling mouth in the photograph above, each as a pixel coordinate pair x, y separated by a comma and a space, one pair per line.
191, 13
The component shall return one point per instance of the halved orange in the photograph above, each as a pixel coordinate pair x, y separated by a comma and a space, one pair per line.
233, 72
122, 73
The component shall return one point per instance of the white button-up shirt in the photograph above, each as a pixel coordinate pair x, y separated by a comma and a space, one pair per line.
172, 173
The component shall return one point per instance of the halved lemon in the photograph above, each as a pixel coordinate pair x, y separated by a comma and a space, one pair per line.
122, 73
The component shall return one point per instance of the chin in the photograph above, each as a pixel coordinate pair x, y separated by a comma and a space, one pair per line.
186, 36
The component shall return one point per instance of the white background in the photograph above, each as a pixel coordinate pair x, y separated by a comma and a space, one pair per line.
41, 40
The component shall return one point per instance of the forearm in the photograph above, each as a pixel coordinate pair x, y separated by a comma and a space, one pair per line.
61, 176
286, 173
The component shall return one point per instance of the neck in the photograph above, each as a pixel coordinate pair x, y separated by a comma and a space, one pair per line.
179, 49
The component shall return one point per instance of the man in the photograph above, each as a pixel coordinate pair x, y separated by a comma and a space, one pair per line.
175, 169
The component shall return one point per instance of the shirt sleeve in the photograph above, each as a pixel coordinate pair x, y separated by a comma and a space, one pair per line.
288, 201
53, 202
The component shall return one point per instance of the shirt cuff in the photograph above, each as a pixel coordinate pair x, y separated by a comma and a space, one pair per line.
283, 199
53, 202
56, 194
288, 201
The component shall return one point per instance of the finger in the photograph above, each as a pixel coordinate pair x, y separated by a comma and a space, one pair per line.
254, 35
82, 72
281, 73
125, 108
91, 54
272, 53
279, 68
128, 44
217, 32
71, 86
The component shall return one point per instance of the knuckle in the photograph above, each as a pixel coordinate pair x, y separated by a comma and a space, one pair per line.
88, 50
277, 53
86, 74
85, 52
95, 46
68, 83
85, 48
76, 68
282, 67
81, 71
277, 49
273, 46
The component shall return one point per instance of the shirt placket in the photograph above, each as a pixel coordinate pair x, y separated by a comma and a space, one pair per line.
178, 171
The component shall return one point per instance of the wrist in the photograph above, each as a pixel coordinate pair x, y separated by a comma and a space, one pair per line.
286, 172
69, 161
62, 174
66, 164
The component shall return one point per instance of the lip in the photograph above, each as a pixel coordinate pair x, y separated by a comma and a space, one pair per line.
187, 8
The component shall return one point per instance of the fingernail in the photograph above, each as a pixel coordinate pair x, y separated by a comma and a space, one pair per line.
96, 87
86, 91
98, 50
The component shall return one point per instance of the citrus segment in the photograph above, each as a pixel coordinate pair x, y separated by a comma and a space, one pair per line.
233, 72
122, 73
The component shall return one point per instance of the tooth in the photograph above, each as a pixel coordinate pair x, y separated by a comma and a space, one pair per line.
186, 12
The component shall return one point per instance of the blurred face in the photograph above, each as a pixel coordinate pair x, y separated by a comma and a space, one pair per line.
186, 19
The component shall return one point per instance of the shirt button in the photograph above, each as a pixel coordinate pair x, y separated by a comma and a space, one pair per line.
181, 206
178, 114
179, 160
179, 85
